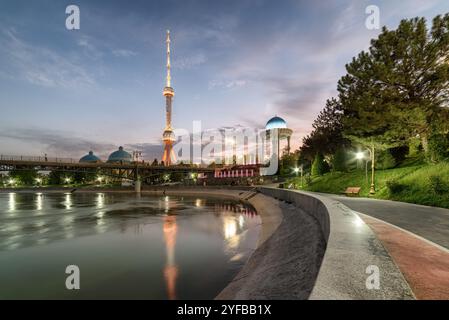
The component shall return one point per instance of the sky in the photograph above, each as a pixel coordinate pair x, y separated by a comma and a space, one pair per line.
234, 63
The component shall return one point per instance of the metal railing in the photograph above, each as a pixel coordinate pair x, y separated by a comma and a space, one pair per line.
37, 159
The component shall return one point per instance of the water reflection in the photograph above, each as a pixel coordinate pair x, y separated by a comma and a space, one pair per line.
39, 197
12, 202
198, 203
100, 200
241, 221
230, 227
121, 234
170, 269
68, 201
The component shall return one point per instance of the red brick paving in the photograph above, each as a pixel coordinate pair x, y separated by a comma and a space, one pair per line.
424, 266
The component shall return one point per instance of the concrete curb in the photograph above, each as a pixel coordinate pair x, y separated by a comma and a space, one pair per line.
351, 248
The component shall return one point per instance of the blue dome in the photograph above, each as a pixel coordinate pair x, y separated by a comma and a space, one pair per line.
276, 123
90, 158
120, 156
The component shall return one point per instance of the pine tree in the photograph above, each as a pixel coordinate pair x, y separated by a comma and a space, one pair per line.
318, 165
400, 87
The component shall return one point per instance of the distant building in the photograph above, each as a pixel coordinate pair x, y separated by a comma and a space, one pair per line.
278, 124
90, 158
120, 156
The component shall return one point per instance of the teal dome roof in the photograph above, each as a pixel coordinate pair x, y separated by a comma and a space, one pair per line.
90, 158
120, 156
276, 123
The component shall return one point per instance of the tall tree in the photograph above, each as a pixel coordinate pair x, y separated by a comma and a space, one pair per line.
396, 90
326, 137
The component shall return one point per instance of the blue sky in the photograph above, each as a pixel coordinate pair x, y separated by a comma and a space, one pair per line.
234, 63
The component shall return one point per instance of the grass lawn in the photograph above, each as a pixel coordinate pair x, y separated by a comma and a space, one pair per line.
412, 180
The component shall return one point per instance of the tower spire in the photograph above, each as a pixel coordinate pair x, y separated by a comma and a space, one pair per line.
168, 136
168, 84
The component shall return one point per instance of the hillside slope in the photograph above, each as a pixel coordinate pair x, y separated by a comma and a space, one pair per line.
425, 184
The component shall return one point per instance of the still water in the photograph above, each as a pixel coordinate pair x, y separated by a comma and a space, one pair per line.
126, 246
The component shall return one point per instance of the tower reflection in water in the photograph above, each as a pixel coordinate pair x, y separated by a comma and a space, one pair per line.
170, 269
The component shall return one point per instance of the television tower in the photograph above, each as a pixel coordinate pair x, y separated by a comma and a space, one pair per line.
168, 136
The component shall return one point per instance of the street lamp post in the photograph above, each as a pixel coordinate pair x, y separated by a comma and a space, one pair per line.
360, 156
372, 189
299, 170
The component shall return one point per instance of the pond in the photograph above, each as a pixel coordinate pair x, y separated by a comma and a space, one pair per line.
125, 246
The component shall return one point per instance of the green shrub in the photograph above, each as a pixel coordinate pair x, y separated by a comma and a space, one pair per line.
439, 147
385, 161
437, 186
394, 187
339, 161
308, 180
318, 166
415, 147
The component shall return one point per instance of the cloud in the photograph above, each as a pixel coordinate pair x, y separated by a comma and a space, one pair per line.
60, 143
89, 49
189, 62
149, 151
227, 84
39, 65
124, 53
67, 144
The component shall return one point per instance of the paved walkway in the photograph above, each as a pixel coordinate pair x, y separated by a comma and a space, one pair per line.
428, 222
416, 237
424, 266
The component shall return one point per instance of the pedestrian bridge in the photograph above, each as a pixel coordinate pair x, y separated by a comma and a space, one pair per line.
131, 171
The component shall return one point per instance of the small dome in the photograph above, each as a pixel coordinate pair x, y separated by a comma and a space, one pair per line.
90, 158
276, 123
119, 156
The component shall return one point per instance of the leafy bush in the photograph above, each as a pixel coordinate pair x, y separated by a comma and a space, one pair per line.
394, 187
439, 147
339, 161
385, 161
24, 177
415, 148
437, 185
318, 168
308, 180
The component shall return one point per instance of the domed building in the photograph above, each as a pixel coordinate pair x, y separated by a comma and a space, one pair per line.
280, 125
120, 156
90, 158
276, 123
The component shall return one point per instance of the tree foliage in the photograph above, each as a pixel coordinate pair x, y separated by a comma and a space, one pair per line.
319, 167
327, 135
24, 177
339, 160
399, 88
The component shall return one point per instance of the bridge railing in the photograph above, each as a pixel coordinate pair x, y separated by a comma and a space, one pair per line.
37, 159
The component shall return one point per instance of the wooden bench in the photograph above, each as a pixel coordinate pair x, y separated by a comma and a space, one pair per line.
352, 191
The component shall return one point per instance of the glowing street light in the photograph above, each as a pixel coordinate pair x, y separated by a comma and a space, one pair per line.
11, 181
359, 155
100, 179
38, 180
67, 180
297, 170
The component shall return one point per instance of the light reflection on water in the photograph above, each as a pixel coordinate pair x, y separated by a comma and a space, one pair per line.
126, 246
170, 269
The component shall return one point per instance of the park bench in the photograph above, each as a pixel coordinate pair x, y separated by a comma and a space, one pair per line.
352, 191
